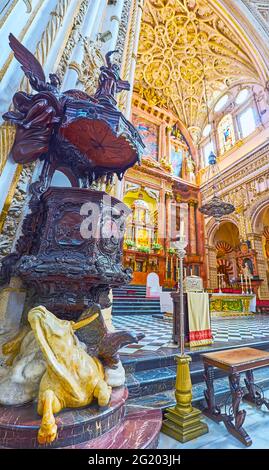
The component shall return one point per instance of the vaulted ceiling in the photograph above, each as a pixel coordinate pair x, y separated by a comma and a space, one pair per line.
187, 52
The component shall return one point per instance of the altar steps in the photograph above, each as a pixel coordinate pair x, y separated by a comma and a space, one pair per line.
132, 300
149, 377
134, 306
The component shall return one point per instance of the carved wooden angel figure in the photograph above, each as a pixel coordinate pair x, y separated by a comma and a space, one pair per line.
109, 82
36, 115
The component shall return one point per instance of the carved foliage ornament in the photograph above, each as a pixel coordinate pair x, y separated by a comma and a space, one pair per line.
181, 43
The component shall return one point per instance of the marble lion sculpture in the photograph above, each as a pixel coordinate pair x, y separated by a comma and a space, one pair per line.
72, 378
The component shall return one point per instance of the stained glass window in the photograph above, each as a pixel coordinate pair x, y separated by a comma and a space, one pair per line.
226, 133
242, 96
176, 160
247, 122
221, 103
208, 148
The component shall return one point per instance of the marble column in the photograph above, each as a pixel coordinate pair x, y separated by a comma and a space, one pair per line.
212, 267
90, 22
192, 227
133, 58
162, 213
168, 213
111, 23
168, 144
256, 241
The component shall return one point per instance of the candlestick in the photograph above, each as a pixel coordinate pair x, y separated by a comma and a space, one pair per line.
250, 287
242, 283
183, 422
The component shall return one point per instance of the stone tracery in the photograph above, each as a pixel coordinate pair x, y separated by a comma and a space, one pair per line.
182, 43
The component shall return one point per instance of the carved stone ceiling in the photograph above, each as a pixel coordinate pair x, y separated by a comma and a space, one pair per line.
181, 42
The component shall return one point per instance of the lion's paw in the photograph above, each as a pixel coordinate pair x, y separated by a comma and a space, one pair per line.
47, 434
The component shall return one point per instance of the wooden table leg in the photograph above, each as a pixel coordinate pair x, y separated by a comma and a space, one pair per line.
255, 394
235, 419
212, 410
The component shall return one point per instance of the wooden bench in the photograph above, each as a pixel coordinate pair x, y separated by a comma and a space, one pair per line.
234, 362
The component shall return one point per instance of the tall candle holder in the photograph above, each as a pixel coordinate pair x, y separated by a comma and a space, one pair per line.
183, 422
242, 284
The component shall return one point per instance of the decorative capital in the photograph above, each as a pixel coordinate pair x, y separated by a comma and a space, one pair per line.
192, 203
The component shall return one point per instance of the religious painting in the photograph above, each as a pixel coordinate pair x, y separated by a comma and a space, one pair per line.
143, 237
176, 160
226, 133
149, 134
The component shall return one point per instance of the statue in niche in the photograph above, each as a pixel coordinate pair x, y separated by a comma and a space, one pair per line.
109, 82
190, 168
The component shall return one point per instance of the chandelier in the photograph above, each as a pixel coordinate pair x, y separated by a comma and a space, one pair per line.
216, 207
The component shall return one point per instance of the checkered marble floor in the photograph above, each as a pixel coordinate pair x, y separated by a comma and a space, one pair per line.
158, 332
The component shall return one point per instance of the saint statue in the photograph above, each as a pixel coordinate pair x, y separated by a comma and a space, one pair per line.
190, 167
109, 82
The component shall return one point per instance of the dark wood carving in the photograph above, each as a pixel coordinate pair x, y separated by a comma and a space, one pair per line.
98, 134
101, 342
90, 138
68, 269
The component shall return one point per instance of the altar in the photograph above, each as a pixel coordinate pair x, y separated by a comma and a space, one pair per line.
224, 305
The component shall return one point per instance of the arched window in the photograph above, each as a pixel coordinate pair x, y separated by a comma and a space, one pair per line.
226, 133
207, 149
221, 103
176, 160
247, 123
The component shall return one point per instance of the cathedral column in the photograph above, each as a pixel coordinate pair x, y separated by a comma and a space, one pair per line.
162, 212
134, 57
212, 267
168, 144
168, 213
112, 23
256, 241
162, 142
130, 78
192, 227
90, 23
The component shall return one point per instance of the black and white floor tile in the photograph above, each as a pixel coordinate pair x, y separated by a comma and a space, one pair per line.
158, 332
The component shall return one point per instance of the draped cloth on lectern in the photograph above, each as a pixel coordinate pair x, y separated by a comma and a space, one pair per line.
199, 319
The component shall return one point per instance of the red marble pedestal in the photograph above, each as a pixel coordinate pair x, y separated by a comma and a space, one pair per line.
113, 427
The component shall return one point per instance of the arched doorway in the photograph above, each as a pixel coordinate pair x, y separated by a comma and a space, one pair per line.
226, 242
260, 240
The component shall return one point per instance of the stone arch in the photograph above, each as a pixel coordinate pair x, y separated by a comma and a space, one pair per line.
255, 212
213, 226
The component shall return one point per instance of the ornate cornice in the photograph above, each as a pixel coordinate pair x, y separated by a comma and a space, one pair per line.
251, 166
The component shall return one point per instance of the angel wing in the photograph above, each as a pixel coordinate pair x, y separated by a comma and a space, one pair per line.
28, 61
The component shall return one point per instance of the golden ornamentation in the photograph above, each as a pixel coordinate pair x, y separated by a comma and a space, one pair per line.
20, 37
29, 6
166, 165
174, 34
183, 422
89, 70
8, 11
48, 36
72, 378
7, 136
128, 54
